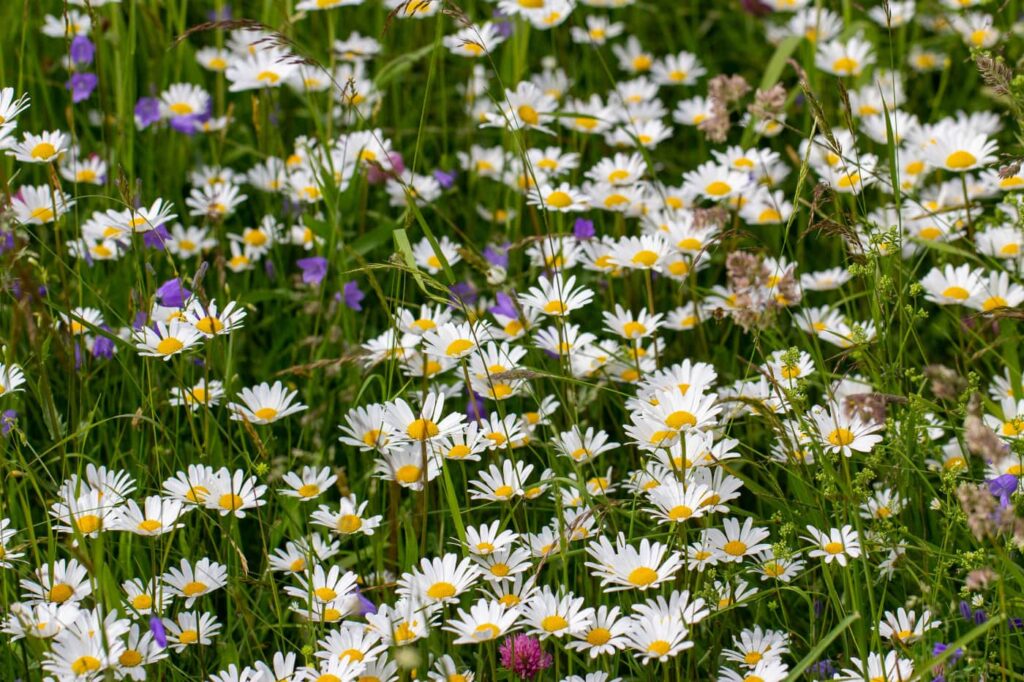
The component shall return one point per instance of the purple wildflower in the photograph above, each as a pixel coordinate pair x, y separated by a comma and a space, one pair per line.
81, 86
156, 238
82, 51
314, 269
583, 228
462, 293
147, 112
156, 626
172, 293
353, 295
140, 320
497, 254
103, 347
366, 607
269, 269
224, 14
445, 178
940, 648
476, 408
524, 656
1002, 487
7, 421
504, 306
6, 241
504, 27
822, 670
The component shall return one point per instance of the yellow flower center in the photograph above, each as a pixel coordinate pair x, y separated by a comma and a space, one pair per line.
679, 419
645, 258
840, 437
60, 593
642, 576
265, 413
659, 647
230, 501
85, 664
553, 623
528, 115
408, 474
718, 188
441, 590
169, 346
957, 293
422, 429
960, 159
458, 347
845, 65
209, 325
735, 548
130, 658
88, 523
43, 150
349, 523
559, 199
309, 490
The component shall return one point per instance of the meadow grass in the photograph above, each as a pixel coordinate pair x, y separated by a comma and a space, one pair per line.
873, 401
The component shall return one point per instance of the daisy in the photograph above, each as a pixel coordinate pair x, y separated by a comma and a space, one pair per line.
156, 517
563, 198
189, 629
904, 627
484, 540
676, 503
503, 564
349, 519
145, 598
192, 582
426, 255
556, 296
844, 59
735, 542
322, 587
550, 614
63, 581
658, 639
233, 493
837, 544
264, 68
44, 148
364, 428
525, 107
501, 485
426, 424
456, 340
486, 620
624, 567
630, 326
309, 485
891, 668
844, 434
191, 486
11, 378
210, 321
198, 396
959, 150
265, 403
39, 205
